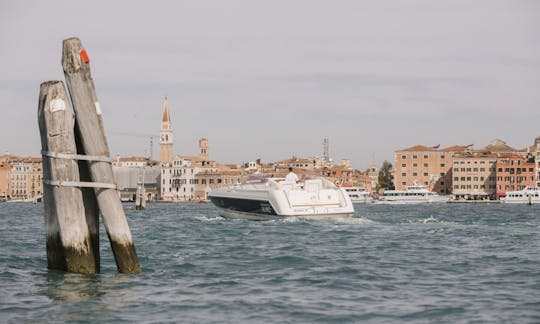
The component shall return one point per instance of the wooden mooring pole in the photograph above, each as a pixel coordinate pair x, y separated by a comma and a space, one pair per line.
76, 66
69, 246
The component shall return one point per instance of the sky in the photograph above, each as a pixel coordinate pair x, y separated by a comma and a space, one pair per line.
272, 79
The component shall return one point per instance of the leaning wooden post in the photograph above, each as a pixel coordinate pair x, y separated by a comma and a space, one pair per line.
90, 127
68, 239
91, 208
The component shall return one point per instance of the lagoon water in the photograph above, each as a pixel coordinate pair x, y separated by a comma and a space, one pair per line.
420, 263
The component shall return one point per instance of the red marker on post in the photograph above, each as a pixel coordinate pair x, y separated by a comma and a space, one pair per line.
84, 56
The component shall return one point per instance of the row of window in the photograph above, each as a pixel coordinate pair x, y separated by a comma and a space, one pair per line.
473, 169
426, 165
469, 162
515, 170
490, 178
415, 157
415, 174
179, 182
516, 179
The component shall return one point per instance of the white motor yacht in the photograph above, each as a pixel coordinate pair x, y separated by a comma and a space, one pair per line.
414, 194
529, 195
261, 198
359, 195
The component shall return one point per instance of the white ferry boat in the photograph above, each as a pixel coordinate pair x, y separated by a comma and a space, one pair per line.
529, 195
414, 194
358, 195
260, 198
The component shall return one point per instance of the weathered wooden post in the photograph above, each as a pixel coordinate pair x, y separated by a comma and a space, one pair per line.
68, 239
140, 200
91, 208
76, 66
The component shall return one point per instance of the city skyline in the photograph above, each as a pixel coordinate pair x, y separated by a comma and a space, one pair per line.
271, 81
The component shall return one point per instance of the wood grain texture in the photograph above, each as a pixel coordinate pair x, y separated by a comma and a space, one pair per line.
92, 137
68, 238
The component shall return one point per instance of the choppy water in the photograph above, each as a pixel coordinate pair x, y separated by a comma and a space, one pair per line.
424, 263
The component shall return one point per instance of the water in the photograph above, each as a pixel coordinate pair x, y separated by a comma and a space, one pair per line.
425, 263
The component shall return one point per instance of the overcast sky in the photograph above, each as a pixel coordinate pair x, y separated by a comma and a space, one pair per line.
272, 79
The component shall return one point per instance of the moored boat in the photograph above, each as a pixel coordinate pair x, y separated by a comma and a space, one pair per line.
261, 198
359, 195
529, 195
414, 194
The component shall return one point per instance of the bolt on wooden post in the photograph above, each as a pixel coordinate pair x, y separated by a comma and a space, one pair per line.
76, 66
68, 239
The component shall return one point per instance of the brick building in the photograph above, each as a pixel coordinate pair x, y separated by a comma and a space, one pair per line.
514, 172
428, 166
474, 176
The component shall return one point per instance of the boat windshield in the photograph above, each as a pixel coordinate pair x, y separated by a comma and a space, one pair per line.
255, 178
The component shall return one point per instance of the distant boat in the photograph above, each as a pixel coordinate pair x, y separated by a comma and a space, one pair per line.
529, 195
261, 198
359, 195
414, 194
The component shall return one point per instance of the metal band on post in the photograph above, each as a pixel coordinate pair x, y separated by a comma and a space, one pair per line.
79, 184
67, 156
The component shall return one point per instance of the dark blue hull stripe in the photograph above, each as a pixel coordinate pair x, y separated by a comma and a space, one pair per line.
244, 205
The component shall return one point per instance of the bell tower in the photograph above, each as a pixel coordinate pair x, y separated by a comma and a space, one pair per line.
166, 137
203, 149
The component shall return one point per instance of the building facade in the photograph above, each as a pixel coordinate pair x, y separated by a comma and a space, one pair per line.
514, 172
537, 160
428, 166
474, 176
208, 180
5, 180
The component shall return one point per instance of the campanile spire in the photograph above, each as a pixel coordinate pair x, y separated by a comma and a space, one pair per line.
166, 136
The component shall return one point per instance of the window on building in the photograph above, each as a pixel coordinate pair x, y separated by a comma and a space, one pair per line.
415, 165
403, 157
404, 165
425, 157
404, 174
415, 157
443, 165
415, 174
425, 165
425, 174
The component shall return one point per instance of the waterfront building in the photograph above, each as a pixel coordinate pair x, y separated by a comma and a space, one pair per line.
212, 179
5, 177
302, 163
474, 176
178, 181
514, 172
130, 171
26, 178
428, 166
166, 137
537, 160
132, 161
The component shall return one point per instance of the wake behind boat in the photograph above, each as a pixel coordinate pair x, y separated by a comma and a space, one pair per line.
261, 198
